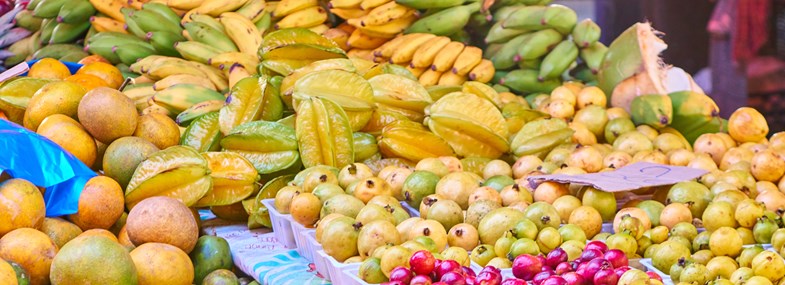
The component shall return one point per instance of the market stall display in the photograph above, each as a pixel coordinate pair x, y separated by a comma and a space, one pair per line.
396, 142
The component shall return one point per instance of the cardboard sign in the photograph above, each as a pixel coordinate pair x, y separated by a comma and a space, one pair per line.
631, 177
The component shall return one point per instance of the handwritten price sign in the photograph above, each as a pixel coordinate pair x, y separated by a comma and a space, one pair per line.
634, 176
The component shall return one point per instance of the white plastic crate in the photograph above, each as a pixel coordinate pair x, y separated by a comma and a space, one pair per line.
666, 278
318, 260
300, 232
335, 270
282, 228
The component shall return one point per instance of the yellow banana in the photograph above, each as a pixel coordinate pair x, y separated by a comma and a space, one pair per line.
425, 54
252, 10
343, 4
370, 4
389, 30
216, 76
362, 41
387, 49
106, 24
449, 78
386, 13
319, 29
225, 60
236, 73
242, 31
143, 65
162, 68
110, 8
483, 72
179, 97
184, 4
415, 70
430, 77
348, 13
447, 56
366, 54
136, 4
139, 93
217, 7
405, 52
307, 17
468, 59
288, 7
339, 36
182, 79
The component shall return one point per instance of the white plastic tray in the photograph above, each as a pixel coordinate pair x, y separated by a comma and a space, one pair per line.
335, 270
666, 278
282, 227
300, 232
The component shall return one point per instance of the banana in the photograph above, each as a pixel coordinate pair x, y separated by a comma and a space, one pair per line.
694, 112
164, 42
264, 22
339, 36
445, 22
32, 4
430, 77
140, 96
27, 20
55, 51
499, 34
389, 30
539, 44
209, 21
386, 13
288, 7
586, 33
525, 81
370, 4
165, 66
136, 4
542, 145
365, 54
252, 10
216, 7
483, 72
106, 24
304, 18
405, 52
47, 26
110, 8
653, 110
558, 60
242, 31
507, 55
48, 8
319, 29
447, 56
449, 78
196, 51
344, 4
182, 79
531, 64
197, 110
152, 22
593, 56
224, 61
362, 41
236, 73
164, 11
178, 98
129, 53
130, 25
388, 48
67, 33
103, 44
416, 71
144, 64
349, 13
75, 13
534, 18
426, 53
208, 35
429, 4
467, 60
505, 11
216, 76
184, 4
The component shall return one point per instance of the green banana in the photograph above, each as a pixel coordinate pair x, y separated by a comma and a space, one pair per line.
539, 44
150, 21
196, 51
56, 51
593, 56
504, 11
461, 36
47, 26
32, 4
130, 25
530, 64
653, 110
74, 56
557, 17
265, 22
25, 19
429, 4
164, 42
208, 35
164, 11
104, 49
525, 81
179, 97
694, 113
558, 60
498, 34
586, 33
117, 38
445, 22
66, 33
130, 53
210, 21
90, 33
542, 145
584, 74
77, 12
507, 55
197, 110
49, 8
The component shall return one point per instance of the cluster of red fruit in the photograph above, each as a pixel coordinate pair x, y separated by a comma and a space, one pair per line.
425, 269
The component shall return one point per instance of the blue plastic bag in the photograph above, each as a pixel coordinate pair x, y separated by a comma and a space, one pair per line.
27, 155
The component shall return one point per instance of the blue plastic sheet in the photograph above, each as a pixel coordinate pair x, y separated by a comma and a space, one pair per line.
27, 155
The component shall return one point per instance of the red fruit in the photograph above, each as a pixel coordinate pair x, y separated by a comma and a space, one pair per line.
574, 278
539, 277
525, 266
654, 275
598, 245
439, 283
555, 257
491, 268
445, 267
468, 271
617, 258
514, 281
470, 280
402, 274
589, 254
453, 278
605, 277
422, 262
420, 280
554, 280
393, 283
563, 267
488, 277
541, 258
595, 266
619, 271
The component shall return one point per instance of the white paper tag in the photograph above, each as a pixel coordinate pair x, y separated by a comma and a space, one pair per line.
634, 176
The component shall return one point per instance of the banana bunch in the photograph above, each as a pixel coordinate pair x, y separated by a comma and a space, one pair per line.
436, 60
223, 42
60, 21
307, 14
371, 23
118, 47
155, 23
